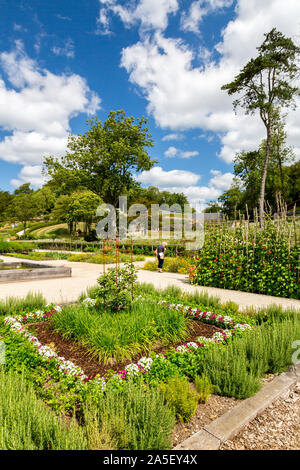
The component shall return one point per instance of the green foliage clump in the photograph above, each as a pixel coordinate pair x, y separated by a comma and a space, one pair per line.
37, 256
134, 418
204, 387
120, 337
251, 260
236, 369
100, 259
15, 247
179, 265
116, 287
180, 397
26, 423
16, 306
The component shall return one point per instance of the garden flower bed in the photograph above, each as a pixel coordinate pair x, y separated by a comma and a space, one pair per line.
218, 348
203, 330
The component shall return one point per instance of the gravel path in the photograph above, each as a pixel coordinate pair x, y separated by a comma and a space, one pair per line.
277, 428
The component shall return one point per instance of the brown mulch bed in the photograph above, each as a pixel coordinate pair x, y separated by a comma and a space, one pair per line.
81, 357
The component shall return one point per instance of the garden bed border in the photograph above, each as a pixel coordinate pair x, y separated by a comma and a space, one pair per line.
18, 324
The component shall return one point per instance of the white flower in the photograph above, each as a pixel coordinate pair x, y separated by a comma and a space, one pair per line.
132, 369
145, 362
218, 336
205, 341
242, 326
100, 381
182, 349
193, 345
90, 302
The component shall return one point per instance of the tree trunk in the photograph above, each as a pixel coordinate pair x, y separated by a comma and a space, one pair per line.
280, 169
263, 180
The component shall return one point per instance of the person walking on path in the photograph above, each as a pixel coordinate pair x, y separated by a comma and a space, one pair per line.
160, 255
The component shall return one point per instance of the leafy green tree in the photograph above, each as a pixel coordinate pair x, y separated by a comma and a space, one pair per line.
280, 151
83, 207
23, 189
5, 200
61, 211
213, 207
79, 206
232, 200
248, 167
104, 158
24, 208
293, 185
45, 198
264, 83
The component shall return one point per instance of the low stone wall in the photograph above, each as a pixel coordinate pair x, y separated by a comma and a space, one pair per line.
32, 271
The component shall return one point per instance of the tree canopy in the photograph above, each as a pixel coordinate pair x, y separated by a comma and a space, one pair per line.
264, 84
105, 158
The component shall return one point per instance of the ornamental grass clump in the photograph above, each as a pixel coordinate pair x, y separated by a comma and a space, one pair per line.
26, 423
134, 418
116, 337
180, 397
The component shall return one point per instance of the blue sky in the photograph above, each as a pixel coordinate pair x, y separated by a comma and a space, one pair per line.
63, 61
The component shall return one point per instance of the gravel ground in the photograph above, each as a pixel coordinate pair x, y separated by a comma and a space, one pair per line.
277, 428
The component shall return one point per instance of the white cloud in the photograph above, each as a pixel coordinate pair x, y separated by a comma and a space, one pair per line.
67, 50
221, 181
196, 195
173, 136
187, 182
149, 14
193, 153
172, 152
183, 96
36, 108
190, 20
159, 177
29, 174
29, 147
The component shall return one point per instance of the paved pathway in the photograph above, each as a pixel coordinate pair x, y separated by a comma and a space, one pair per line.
85, 275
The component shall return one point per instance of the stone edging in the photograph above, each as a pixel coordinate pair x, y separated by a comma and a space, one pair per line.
229, 424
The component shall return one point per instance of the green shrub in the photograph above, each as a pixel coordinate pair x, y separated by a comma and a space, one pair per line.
173, 265
15, 306
275, 313
15, 247
116, 287
236, 369
134, 418
180, 398
249, 259
228, 370
91, 292
26, 423
204, 387
231, 307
